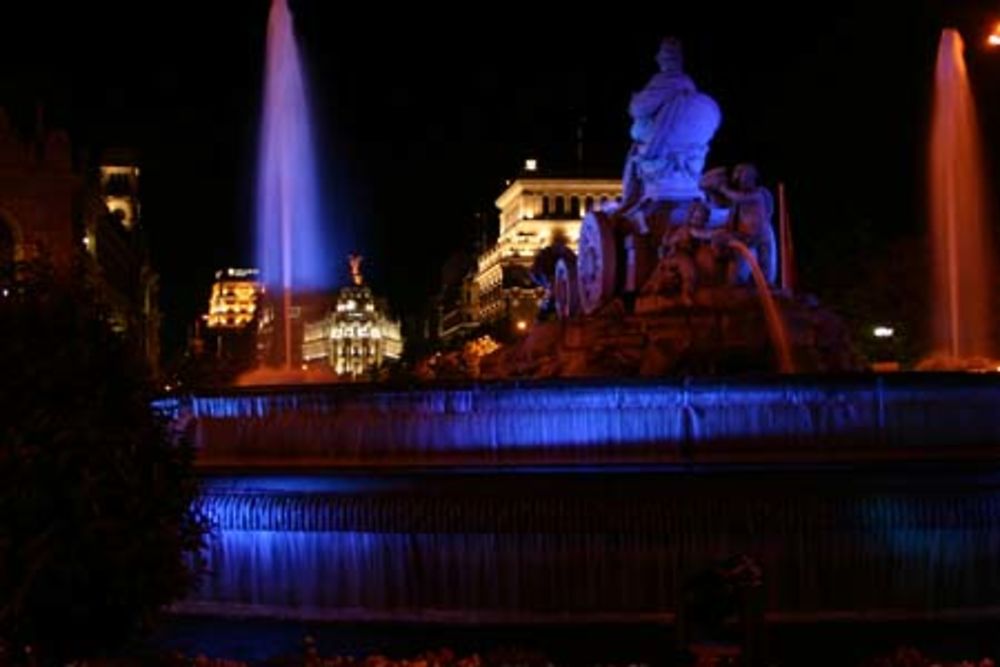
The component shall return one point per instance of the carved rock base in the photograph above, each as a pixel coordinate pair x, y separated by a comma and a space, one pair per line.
723, 332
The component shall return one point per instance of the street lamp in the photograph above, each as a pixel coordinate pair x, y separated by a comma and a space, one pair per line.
994, 37
884, 352
883, 332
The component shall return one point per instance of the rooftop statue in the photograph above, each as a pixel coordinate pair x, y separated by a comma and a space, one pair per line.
354, 261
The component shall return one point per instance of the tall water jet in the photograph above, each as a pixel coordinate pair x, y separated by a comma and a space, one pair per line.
289, 244
958, 214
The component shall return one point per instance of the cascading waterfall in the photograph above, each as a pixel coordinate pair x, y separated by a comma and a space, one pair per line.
593, 423
610, 548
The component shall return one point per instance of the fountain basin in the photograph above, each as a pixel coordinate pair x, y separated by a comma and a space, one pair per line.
862, 497
772, 420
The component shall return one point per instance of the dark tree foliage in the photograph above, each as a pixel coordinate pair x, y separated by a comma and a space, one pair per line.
97, 530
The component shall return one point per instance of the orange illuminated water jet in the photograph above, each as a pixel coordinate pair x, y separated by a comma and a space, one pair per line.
958, 214
775, 325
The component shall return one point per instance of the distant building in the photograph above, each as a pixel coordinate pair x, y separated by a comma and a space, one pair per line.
86, 223
120, 189
233, 302
457, 305
499, 290
230, 325
357, 337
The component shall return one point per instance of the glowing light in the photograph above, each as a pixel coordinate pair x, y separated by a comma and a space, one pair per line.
233, 302
883, 332
480, 347
522, 325
238, 273
531, 165
994, 38
124, 206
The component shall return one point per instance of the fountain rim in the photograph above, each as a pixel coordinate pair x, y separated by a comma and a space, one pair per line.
817, 381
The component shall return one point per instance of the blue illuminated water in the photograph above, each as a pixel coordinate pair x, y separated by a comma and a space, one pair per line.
291, 247
458, 547
593, 423
594, 501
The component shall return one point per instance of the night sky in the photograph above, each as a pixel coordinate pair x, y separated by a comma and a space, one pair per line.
421, 114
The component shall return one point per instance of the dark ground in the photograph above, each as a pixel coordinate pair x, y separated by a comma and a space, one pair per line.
816, 645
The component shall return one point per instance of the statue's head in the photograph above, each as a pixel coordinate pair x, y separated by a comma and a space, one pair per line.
697, 214
670, 57
745, 176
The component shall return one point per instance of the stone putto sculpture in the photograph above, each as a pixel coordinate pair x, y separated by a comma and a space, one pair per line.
751, 208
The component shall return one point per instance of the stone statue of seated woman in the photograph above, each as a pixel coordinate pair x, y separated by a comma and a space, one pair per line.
672, 126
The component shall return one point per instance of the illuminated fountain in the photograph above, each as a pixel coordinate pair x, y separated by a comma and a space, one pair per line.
290, 244
959, 216
681, 276
591, 501
596, 499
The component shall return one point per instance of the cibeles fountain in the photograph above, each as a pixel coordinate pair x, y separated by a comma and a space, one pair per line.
682, 275
860, 496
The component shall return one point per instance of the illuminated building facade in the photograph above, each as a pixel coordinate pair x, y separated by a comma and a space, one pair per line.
534, 209
233, 303
356, 337
79, 218
230, 325
120, 190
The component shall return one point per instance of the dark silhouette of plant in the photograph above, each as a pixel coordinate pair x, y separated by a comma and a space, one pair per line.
97, 530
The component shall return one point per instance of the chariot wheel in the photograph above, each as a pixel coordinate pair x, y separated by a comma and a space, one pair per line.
596, 261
